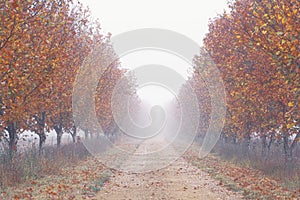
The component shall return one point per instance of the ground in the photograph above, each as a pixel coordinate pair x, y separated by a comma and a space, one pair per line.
180, 180
152, 177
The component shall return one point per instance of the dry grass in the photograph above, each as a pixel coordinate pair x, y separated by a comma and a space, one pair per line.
237, 175
29, 165
273, 165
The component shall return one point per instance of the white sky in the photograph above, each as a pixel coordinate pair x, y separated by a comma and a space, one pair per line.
189, 17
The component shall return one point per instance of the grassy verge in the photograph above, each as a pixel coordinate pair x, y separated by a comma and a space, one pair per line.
75, 178
243, 176
30, 165
273, 164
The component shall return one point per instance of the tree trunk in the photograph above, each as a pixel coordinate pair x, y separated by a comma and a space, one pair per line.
42, 137
247, 139
13, 138
270, 144
41, 121
288, 153
224, 138
264, 146
246, 146
58, 130
74, 133
234, 139
288, 149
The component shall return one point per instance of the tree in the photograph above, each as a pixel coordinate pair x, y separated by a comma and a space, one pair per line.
256, 49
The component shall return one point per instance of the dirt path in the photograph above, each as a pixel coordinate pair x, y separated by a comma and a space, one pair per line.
180, 180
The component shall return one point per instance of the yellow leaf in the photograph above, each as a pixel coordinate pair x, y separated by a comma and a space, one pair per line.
291, 104
283, 20
263, 25
238, 36
290, 126
279, 17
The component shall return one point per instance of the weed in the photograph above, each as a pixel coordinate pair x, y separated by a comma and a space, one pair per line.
31, 165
